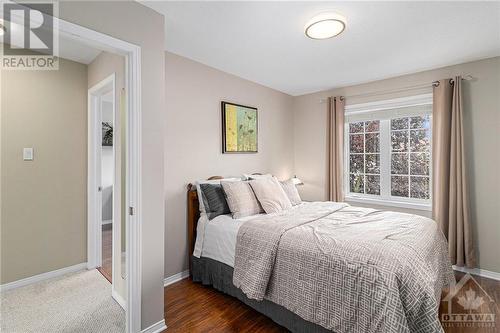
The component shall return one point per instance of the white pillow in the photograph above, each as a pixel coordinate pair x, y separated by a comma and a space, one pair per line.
270, 194
213, 181
291, 192
241, 199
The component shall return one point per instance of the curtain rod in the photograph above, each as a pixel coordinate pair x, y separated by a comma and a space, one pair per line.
409, 88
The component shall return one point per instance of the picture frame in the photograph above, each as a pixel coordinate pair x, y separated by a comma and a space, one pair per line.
239, 128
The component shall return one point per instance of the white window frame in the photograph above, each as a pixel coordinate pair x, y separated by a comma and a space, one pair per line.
384, 111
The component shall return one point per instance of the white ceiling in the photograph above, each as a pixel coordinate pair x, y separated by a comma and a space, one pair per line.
76, 51
264, 41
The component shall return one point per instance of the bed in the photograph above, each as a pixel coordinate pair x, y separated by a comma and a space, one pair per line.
326, 266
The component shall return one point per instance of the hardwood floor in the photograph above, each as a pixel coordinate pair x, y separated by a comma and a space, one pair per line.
107, 252
191, 307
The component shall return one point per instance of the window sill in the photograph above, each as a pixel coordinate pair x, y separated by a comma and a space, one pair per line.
390, 203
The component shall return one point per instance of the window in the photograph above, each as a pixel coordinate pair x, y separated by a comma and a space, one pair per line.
388, 152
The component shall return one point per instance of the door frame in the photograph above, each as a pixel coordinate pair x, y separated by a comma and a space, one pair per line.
133, 195
94, 172
132, 53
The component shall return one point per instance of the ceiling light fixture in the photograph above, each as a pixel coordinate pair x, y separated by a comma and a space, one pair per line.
325, 25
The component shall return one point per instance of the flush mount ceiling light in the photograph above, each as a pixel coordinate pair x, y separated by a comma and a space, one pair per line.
325, 25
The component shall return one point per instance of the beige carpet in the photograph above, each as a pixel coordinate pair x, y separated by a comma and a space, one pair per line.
77, 302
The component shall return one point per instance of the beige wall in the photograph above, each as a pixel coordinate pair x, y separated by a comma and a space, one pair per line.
482, 134
193, 139
137, 24
44, 216
104, 65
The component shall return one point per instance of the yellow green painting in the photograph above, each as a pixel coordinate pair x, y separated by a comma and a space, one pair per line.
239, 127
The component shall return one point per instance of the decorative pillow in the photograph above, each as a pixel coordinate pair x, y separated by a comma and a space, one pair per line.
214, 200
241, 199
271, 195
213, 181
291, 192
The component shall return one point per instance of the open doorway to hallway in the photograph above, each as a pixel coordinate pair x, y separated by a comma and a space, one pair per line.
107, 148
46, 128
46, 112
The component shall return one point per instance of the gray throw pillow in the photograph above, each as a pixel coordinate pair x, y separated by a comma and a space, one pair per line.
214, 200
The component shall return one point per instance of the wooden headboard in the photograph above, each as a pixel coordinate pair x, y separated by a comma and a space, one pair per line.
193, 214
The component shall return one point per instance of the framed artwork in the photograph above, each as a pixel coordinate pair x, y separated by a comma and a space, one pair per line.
239, 128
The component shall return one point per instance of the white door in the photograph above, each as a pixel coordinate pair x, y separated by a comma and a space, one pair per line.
98, 175
96, 98
94, 182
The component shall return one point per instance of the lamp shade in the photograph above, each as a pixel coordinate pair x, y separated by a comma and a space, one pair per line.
297, 181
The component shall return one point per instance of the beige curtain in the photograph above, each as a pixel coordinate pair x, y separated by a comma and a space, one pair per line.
335, 148
450, 202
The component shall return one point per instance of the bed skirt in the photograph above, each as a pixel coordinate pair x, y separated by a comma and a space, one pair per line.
220, 276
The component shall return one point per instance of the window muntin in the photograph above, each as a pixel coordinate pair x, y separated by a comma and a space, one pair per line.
388, 153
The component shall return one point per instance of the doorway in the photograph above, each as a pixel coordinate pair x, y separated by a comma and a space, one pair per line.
131, 97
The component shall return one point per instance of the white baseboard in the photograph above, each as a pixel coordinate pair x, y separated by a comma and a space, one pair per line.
43, 276
156, 328
117, 297
174, 278
479, 271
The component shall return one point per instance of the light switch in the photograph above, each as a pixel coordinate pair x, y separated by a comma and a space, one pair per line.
28, 154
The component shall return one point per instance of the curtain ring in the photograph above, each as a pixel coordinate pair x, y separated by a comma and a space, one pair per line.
435, 84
